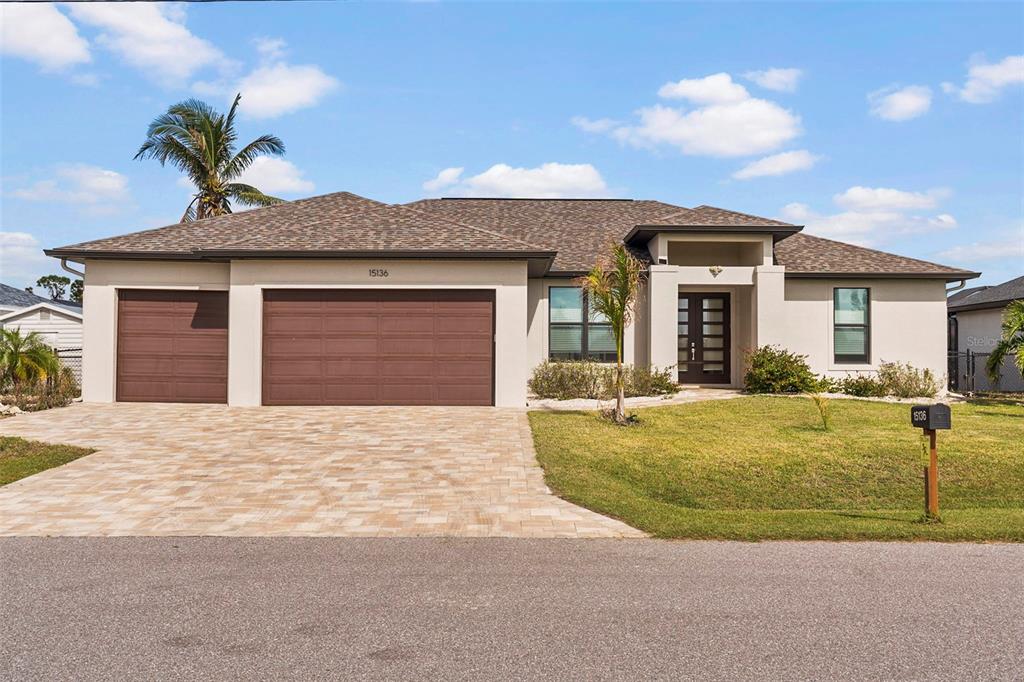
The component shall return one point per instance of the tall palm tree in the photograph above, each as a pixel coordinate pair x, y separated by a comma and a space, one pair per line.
25, 360
200, 142
1012, 342
612, 287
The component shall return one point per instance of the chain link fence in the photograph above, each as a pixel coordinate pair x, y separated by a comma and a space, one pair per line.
967, 371
71, 358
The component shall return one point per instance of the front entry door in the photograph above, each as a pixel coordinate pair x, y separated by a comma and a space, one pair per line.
704, 339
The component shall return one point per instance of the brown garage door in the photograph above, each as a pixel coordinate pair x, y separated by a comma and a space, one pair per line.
373, 347
172, 346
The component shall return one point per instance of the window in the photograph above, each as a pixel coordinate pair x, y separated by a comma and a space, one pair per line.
852, 325
570, 336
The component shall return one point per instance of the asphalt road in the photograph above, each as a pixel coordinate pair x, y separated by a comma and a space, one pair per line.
230, 608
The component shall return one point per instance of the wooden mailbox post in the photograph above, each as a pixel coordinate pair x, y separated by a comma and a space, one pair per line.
931, 418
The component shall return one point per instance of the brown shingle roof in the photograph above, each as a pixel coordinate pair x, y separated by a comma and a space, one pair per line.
385, 228
803, 254
185, 238
577, 229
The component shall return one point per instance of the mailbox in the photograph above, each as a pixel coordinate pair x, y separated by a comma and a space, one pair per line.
930, 417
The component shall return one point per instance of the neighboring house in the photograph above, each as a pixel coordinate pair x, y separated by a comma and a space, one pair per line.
58, 322
975, 326
339, 299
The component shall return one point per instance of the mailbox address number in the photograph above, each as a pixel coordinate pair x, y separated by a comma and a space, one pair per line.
378, 272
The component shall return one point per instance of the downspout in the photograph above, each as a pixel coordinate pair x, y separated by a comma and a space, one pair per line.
958, 287
67, 268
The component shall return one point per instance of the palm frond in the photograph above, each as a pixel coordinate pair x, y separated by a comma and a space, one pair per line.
247, 195
270, 145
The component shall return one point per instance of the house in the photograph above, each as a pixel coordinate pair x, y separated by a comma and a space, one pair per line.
975, 321
58, 322
340, 299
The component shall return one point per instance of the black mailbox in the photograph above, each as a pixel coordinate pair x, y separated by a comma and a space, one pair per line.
930, 417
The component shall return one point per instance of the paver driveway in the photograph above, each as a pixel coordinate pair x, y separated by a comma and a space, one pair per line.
352, 471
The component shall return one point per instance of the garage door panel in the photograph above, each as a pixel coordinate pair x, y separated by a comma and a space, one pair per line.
392, 347
172, 346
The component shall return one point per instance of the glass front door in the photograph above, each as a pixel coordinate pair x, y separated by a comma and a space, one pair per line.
704, 339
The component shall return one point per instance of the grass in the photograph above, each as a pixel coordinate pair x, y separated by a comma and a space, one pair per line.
20, 458
760, 468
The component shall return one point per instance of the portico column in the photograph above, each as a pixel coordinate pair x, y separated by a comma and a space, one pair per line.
663, 302
769, 300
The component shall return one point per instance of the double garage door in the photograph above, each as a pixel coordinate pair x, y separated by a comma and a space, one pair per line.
320, 347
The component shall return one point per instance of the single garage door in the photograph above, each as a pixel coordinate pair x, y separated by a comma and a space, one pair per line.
172, 346
376, 347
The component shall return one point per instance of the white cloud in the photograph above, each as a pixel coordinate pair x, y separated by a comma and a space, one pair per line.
151, 37
22, 260
778, 164
985, 82
781, 80
979, 252
446, 178
547, 181
275, 87
873, 216
41, 33
78, 184
600, 125
885, 199
275, 176
270, 48
894, 103
726, 121
717, 88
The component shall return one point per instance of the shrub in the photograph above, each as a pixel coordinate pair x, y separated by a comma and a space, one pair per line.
862, 386
580, 379
824, 410
906, 381
775, 370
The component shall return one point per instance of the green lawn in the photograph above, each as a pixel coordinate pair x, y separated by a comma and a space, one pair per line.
20, 458
759, 468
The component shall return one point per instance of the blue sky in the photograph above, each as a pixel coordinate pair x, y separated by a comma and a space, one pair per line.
899, 126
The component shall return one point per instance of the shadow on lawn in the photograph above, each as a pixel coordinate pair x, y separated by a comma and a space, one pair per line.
874, 517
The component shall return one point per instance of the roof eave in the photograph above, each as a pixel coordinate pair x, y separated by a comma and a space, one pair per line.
946, 276
645, 233
986, 305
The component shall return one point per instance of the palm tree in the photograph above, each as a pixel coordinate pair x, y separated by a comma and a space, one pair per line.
25, 360
612, 287
200, 142
1012, 342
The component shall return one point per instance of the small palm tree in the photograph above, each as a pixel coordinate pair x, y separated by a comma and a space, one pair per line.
200, 142
612, 287
1012, 342
25, 360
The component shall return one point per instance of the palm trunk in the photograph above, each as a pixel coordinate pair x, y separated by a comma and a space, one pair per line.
620, 385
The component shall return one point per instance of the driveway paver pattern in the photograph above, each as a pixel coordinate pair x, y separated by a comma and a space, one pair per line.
163, 469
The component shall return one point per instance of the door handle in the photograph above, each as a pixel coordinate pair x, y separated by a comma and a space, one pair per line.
693, 351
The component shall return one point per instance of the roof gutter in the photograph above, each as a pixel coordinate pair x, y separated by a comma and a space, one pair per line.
67, 268
958, 287
948, 277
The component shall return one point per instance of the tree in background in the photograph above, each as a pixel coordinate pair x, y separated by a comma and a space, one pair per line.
612, 287
55, 285
1012, 342
77, 289
200, 142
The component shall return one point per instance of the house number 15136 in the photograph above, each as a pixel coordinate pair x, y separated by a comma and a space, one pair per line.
378, 272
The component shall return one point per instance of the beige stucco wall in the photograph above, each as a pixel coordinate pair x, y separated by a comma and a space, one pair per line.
908, 323
979, 331
99, 309
245, 280
250, 277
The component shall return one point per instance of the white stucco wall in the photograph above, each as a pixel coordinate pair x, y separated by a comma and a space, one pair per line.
99, 309
979, 331
249, 277
908, 323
